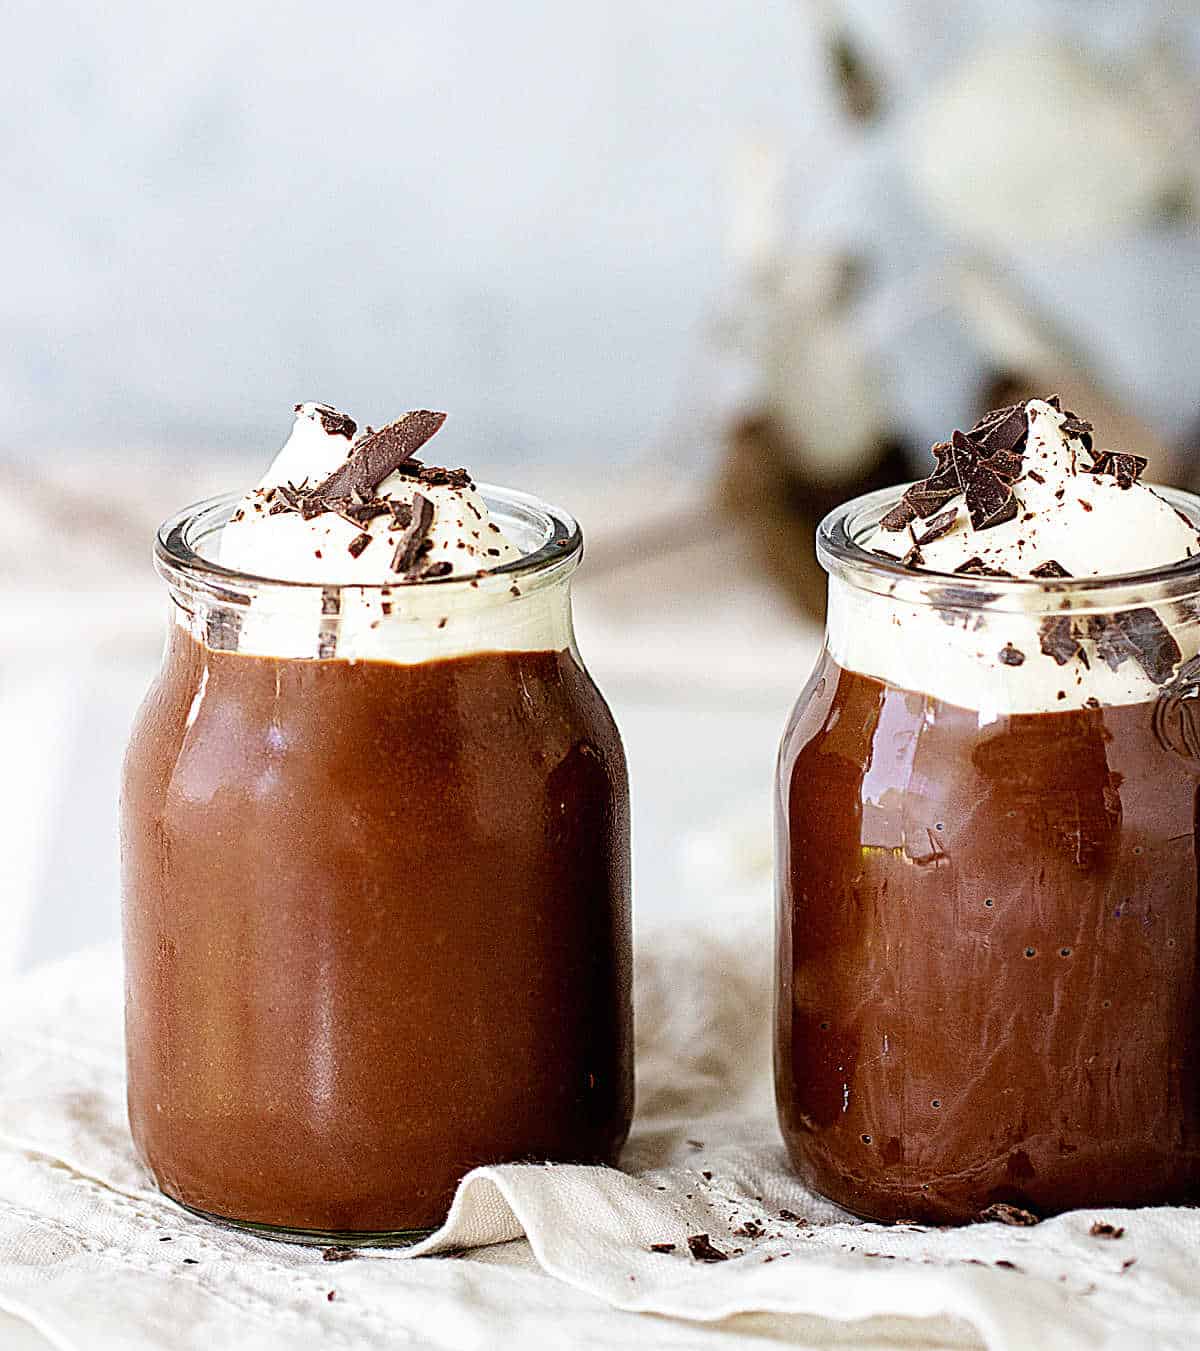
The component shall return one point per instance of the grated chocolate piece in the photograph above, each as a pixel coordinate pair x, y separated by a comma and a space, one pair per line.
1049, 568
1012, 656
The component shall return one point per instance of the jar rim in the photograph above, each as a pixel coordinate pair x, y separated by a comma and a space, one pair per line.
178, 557
843, 556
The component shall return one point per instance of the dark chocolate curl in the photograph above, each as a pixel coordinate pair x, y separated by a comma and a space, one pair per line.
409, 544
380, 454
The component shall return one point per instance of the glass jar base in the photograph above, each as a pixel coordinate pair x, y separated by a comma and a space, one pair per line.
314, 1238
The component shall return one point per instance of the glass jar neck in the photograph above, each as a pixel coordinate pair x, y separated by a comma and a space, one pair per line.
520, 607
1003, 646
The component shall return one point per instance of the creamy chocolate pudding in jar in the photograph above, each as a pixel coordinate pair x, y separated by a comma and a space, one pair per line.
987, 987
375, 839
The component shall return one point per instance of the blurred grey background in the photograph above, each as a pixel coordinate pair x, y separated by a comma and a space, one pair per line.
752, 254
528, 213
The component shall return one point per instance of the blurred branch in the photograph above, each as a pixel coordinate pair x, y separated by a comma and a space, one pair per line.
858, 86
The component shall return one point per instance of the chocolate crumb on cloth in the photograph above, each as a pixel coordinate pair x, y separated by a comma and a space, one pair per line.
703, 1251
1002, 1213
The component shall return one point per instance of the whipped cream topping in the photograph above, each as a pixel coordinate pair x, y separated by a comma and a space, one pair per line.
1091, 525
401, 560
329, 547
1049, 509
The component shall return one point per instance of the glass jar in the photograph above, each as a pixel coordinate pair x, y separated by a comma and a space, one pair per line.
987, 986
375, 854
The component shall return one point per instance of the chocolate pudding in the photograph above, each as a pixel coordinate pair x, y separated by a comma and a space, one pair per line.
376, 898
987, 982
988, 987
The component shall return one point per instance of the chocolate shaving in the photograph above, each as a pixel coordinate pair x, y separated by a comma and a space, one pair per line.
1126, 469
1001, 431
926, 499
662, 1247
937, 527
902, 514
1058, 640
990, 500
1003, 1213
358, 544
402, 514
1037, 478
380, 454
1012, 656
363, 512
1101, 1229
408, 547
914, 558
437, 477
1078, 429
337, 1254
335, 423
703, 1251
441, 569
1049, 569
975, 567
1139, 634
1006, 465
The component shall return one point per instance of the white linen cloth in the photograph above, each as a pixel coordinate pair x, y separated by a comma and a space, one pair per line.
91, 1256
